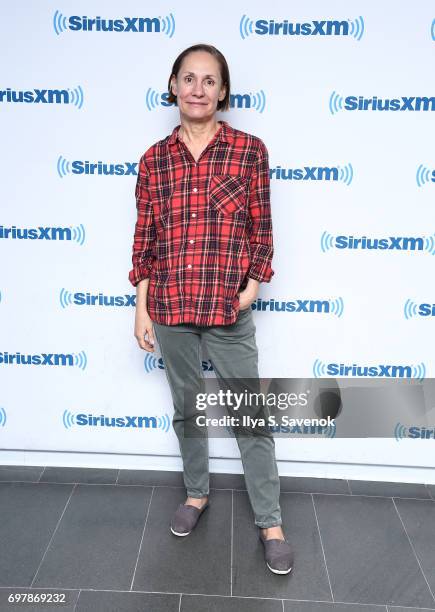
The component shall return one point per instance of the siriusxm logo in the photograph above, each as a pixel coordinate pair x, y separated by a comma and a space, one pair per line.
76, 23
249, 101
360, 103
43, 96
422, 433
310, 430
270, 27
314, 173
321, 369
133, 422
76, 360
65, 167
411, 309
3, 417
334, 306
152, 363
424, 175
76, 234
80, 298
392, 243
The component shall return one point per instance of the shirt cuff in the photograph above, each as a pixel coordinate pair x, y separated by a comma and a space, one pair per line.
139, 273
262, 274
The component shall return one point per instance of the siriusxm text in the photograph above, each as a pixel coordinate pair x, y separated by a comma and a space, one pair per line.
379, 371
404, 103
35, 233
398, 243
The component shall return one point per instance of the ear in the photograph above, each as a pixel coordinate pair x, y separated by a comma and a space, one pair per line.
174, 86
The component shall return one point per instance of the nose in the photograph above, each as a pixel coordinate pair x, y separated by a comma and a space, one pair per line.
198, 89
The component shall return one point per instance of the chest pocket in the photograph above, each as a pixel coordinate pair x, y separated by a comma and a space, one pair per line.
227, 193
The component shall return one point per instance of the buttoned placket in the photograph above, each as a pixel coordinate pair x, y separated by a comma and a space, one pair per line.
192, 226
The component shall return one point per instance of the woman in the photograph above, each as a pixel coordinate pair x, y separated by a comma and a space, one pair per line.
202, 244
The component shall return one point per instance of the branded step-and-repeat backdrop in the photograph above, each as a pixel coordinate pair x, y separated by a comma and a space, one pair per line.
342, 95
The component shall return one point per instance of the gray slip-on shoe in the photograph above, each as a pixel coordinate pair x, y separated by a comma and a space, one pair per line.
185, 518
278, 555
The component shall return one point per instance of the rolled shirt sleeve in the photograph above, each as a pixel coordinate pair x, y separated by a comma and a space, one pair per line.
260, 219
145, 231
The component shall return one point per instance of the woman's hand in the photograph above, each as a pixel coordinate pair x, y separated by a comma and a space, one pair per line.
248, 295
143, 325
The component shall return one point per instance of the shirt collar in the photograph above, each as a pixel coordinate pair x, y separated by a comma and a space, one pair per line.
224, 134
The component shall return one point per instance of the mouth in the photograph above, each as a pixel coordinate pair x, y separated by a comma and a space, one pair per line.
197, 103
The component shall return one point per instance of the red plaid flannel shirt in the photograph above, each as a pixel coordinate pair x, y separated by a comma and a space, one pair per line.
202, 227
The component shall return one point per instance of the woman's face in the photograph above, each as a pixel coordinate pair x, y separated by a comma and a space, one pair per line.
198, 86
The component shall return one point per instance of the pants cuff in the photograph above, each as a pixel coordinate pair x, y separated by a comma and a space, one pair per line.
197, 495
266, 524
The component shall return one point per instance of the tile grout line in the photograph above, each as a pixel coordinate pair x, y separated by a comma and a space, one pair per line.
141, 540
179, 602
231, 551
282, 602
77, 601
417, 499
321, 543
413, 549
53, 534
410, 607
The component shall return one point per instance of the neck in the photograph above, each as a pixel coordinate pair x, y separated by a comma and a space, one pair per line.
198, 132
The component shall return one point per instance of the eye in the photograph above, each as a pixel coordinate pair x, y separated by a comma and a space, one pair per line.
188, 77
211, 81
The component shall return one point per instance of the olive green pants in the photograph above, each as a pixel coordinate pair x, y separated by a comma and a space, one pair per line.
233, 353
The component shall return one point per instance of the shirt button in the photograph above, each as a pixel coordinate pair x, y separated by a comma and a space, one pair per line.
191, 241
193, 214
189, 265
195, 189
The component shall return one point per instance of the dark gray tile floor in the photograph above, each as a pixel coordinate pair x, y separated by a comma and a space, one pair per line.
94, 539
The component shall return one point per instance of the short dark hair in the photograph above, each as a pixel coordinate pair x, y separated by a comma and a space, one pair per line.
223, 67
